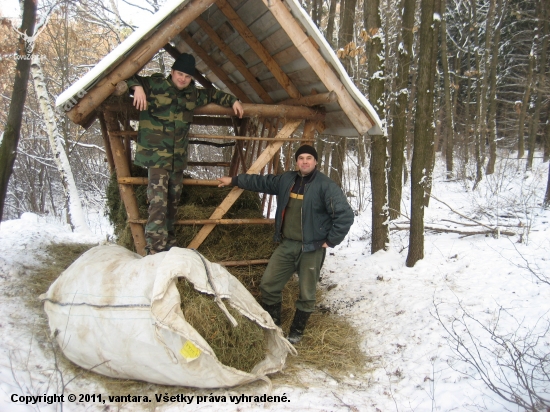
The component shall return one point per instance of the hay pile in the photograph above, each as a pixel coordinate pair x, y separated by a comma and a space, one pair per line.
240, 347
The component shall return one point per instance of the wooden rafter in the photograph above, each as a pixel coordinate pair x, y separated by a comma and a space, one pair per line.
258, 165
361, 121
218, 71
233, 58
258, 48
137, 59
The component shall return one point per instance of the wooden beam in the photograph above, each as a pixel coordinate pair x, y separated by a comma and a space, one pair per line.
106, 143
187, 182
360, 120
250, 110
137, 59
256, 167
258, 48
244, 262
191, 222
211, 63
133, 134
312, 100
233, 58
126, 191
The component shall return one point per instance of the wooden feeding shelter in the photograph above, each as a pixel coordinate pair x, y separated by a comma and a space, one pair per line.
268, 53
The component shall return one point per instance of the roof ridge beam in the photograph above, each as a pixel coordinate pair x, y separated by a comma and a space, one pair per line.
258, 48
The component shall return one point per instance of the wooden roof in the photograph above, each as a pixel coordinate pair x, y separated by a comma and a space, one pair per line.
262, 51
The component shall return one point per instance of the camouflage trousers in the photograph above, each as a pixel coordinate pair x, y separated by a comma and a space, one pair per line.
163, 193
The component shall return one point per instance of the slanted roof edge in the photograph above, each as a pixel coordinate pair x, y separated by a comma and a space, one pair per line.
326, 51
114, 56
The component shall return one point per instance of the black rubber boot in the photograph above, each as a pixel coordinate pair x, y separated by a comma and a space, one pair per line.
274, 311
298, 326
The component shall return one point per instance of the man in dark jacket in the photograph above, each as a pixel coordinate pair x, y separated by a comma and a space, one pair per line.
312, 214
166, 107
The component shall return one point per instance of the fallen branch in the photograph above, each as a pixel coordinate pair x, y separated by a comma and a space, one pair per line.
489, 231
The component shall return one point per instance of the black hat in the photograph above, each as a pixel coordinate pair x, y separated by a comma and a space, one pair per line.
306, 149
185, 63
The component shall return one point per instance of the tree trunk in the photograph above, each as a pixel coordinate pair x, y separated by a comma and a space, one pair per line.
345, 35
399, 131
337, 159
75, 214
330, 25
423, 123
10, 138
541, 82
491, 121
378, 162
449, 130
430, 159
524, 105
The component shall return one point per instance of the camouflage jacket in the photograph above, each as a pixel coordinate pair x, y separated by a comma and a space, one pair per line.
164, 126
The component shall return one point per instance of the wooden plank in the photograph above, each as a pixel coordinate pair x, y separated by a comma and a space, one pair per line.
186, 182
237, 62
190, 222
231, 263
361, 121
214, 67
137, 59
260, 50
256, 167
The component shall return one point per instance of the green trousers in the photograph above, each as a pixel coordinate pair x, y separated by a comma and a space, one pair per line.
287, 259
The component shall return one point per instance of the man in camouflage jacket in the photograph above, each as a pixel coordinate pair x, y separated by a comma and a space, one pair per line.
166, 107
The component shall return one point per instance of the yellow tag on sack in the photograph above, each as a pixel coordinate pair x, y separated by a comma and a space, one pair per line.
189, 351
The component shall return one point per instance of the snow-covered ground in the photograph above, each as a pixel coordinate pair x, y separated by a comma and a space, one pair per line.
404, 315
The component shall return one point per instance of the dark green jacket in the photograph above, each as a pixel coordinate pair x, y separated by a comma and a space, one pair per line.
164, 126
326, 213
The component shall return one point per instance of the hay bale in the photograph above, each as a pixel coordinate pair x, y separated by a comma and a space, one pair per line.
241, 347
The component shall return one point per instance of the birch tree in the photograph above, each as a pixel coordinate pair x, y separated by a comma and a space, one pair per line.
74, 207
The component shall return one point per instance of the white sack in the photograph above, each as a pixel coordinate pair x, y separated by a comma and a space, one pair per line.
119, 314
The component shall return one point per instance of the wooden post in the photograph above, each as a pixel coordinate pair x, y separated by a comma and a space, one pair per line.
105, 135
126, 190
260, 162
308, 136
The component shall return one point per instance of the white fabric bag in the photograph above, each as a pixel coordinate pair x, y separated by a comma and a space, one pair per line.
119, 314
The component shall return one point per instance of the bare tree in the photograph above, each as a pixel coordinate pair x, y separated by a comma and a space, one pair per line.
422, 150
10, 137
